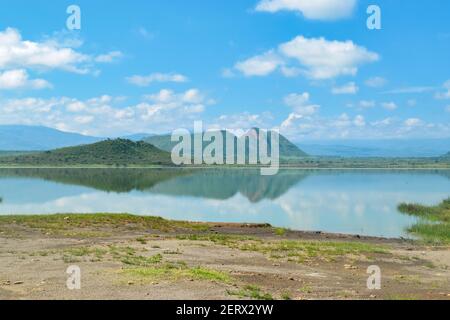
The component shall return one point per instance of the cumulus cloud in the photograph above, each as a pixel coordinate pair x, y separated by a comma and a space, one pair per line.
317, 9
50, 54
242, 121
18, 53
105, 115
144, 81
344, 126
316, 58
349, 88
19, 79
300, 104
261, 65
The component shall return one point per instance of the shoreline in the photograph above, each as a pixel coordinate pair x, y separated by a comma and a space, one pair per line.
231, 168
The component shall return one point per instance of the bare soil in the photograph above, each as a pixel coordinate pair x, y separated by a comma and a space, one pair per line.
33, 265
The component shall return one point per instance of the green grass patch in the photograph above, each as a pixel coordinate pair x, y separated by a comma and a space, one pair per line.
177, 271
301, 251
252, 292
434, 224
221, 239
97, 225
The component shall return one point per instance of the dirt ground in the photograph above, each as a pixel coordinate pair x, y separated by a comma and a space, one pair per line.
223, 261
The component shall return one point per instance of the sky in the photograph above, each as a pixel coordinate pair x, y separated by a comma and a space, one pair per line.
311, 69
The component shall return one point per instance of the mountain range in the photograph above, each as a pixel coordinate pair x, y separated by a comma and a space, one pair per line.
20, 138
34, 138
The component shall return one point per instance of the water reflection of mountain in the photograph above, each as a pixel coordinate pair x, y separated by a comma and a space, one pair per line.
224, 184
109, 180
212, 184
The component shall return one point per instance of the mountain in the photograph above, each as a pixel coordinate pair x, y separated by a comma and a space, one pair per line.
401, 148
287, 148
447, 155
34, 138
117, 152
137, 136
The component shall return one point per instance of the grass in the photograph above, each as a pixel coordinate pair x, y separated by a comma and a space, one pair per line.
302, 251
96, 225
434, 224
280, 231
292, 250
252, 292
221, 239
177, 271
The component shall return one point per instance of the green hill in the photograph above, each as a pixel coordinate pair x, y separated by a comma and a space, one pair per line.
119, 152
287, 148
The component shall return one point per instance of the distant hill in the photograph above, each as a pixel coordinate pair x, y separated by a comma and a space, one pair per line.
34, 138
137, 136
109, 152
389, 148
447, 155
287, 148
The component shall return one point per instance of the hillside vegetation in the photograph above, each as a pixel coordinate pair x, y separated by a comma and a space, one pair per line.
287, 148
119, 152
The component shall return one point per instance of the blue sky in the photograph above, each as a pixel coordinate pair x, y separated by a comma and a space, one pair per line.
309, 68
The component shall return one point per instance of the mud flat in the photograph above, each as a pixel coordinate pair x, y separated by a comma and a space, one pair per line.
132, 257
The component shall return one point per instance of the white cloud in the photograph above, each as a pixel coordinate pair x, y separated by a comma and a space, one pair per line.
375, 82
143, 32
18, 53
349, 88
300, 104
260, 65
365, 104
58, 52
359, 121
109, 57
316, 58
413, 122
227, 73
298, 128
105, 115
446, 93
19, 79
389, 105
241, 121
316, 9
410, 90
144, 81
382, 123
325, 59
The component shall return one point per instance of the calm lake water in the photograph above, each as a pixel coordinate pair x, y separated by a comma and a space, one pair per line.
356, 202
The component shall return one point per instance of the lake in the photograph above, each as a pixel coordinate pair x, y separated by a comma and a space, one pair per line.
352, 201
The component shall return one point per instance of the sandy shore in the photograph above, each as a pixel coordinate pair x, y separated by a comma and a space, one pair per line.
127, 257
